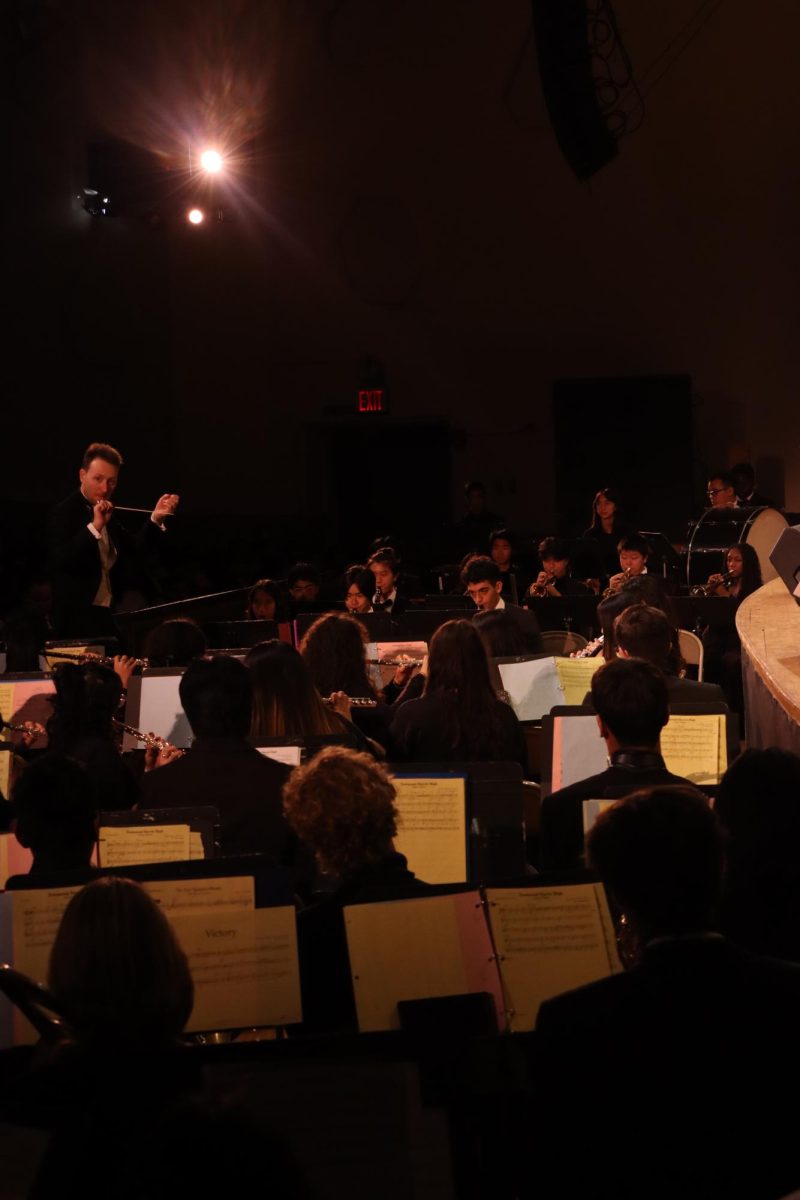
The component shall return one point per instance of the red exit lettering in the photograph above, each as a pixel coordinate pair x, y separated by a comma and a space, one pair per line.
371, 401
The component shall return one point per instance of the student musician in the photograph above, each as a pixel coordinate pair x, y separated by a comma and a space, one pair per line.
501, 552
721, 645
742, 574
634, 552
554, 579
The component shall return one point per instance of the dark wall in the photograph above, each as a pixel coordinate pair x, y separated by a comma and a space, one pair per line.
405, 198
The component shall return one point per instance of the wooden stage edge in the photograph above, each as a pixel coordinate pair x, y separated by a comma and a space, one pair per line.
768, 622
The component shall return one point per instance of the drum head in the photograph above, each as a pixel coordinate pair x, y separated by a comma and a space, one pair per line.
763, 531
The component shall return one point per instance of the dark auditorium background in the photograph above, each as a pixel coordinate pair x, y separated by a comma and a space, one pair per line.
404, 218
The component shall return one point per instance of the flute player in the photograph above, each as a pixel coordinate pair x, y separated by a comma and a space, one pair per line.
91, 554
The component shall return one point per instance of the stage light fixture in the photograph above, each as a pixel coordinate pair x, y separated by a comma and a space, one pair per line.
195, 216
211, 161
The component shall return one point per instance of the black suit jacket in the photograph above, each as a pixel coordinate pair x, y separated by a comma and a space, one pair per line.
74, 559
670, 1080
561, 826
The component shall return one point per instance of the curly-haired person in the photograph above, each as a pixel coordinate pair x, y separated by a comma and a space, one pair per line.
342, 805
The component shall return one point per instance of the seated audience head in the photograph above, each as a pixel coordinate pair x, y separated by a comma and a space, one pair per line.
501, 548
117, 968
175, 643
631, 701
303, 582
555, 554
758, 806
335, 652
84, 705
385, 568
721, 490
217, 695
483, 582
608, 611
359, 587
265, 601
285, 701
55, 813
633, 551
342, 805
659, 852
502, 637
644, 632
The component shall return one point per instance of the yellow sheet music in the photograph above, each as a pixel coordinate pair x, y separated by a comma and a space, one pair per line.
431, 827
549, 940
575, 676
416, 949
6, 702
690, 745
126, 845
14, 859
6, 759
244, 966
177, 896
196, 848
52, 657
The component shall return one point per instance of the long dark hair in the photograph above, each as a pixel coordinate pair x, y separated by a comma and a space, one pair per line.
619, 522
458, 672
85, 703
285, 701
751, 569
334, 650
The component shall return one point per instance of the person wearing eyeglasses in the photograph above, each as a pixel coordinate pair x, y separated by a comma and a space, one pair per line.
721, 491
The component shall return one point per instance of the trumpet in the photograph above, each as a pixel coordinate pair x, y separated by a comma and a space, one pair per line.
708, 589
86, 656
612, 590
540, 589
353, 701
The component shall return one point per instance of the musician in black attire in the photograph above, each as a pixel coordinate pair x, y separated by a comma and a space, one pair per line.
501, 552
608, 526
483, 583
554, 577
89, 549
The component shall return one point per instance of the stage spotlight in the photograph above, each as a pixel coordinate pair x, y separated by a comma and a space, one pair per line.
195, 216
211, 161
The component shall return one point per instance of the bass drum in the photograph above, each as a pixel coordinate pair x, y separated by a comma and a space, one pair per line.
720, 528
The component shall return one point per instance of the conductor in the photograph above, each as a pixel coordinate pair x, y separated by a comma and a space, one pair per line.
90, 552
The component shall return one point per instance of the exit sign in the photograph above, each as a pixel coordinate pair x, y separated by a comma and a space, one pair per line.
372, 400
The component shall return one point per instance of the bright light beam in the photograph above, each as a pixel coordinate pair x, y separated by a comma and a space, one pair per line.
211, 161
196, 216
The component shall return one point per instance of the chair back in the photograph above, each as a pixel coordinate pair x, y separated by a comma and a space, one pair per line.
691, 651
562, 641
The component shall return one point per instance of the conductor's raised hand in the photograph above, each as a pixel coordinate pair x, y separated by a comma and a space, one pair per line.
165, 507
102, 514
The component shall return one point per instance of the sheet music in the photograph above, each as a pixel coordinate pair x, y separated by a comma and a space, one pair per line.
127, 845
290, 755
416, 949
431, 827
575, 676
591, 811
690, 746
14, 859
548, 941
533, 687
6, 762
177, 896
159, 710
578, 749
244, 966
196, 847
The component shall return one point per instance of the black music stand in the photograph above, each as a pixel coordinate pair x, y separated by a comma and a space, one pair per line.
575, 613
495, 821
240, 633
216, 606
785, 558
